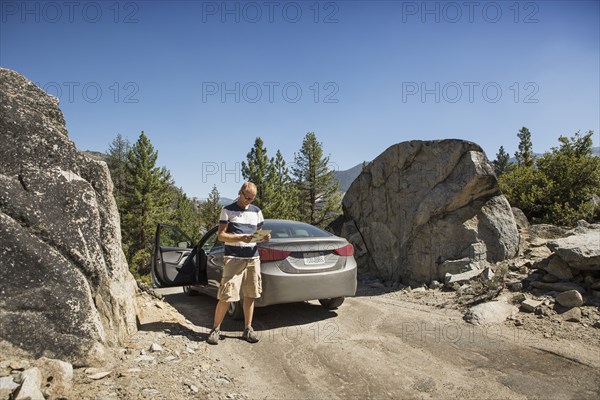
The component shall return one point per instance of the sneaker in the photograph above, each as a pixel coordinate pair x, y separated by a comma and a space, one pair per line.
250, 336
214, 336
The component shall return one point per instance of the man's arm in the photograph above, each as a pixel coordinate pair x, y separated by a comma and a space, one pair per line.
226, 237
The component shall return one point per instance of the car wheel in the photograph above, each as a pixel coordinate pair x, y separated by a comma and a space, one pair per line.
236, 310
332, 304
189, 291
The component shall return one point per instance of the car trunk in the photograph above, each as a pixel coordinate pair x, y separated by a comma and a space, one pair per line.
310, 255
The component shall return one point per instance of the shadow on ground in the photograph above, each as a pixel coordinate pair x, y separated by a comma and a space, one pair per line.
199, 310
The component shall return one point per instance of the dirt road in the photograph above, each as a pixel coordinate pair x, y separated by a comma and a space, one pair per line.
380, 347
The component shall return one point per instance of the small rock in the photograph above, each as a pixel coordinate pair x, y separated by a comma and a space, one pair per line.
456, 266
435, 285
515, 265
520, 218
492, 312
518, 298
488, 274
30, 388
540, 252
419, 289
190, 350
570, 298
548, 301
462, 277
193, 387
557, 267
597, 324
572, 315
21, 365
170, 358
144, 358
155, 347
530, 305
544, 310
58, 374
515, 286
7, 387
99, 375
134, 370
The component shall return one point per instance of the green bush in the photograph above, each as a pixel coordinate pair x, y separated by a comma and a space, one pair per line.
560, 187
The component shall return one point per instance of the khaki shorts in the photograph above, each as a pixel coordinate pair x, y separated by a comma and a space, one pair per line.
240, 273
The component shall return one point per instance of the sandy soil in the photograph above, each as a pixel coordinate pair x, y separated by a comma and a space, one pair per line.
377, 345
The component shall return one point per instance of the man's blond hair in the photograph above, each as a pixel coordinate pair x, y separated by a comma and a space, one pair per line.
248, 186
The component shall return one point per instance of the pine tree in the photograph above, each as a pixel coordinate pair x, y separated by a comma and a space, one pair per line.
186, 216
318, 191
525, 154
502, 162
210, 210
258, 170
117, 165
146, 202
284, 202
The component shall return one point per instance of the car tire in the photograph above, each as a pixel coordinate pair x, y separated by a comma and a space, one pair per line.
189, 291
332, 304
236, 310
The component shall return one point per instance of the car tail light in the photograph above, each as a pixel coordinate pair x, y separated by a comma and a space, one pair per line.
267, 254
345, 251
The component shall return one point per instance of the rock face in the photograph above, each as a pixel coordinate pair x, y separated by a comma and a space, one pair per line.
579, 251
422, 203
65, 289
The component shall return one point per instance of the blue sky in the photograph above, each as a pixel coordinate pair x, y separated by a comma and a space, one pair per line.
204, 79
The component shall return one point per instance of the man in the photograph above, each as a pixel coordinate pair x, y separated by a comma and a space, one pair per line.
241, 263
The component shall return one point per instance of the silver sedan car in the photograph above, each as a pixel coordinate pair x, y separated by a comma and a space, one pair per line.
301, 262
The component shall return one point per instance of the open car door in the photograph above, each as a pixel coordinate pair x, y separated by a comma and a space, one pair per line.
175, 260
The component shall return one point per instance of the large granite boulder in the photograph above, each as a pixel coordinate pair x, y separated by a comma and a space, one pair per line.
65, 288
425, 208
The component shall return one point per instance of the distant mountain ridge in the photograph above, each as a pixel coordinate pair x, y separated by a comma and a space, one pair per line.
346, 177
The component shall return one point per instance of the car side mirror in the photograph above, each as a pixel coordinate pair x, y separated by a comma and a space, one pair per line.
183, 245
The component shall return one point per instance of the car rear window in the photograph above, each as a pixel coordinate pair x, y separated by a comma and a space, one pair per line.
281, 230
